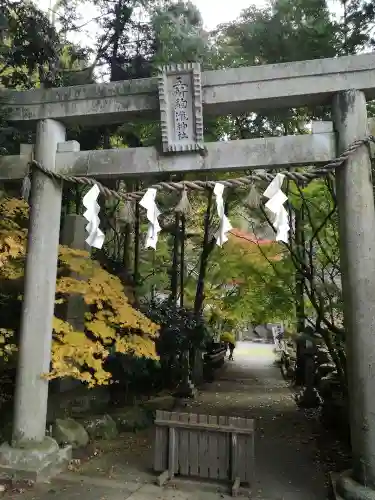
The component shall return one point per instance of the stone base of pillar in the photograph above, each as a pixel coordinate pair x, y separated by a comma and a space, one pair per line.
345, 488
37, 462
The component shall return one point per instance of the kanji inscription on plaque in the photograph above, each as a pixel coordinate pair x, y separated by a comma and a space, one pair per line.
180, 96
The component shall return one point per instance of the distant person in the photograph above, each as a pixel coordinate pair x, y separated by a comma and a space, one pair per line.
278, 339
231, 347
229, 339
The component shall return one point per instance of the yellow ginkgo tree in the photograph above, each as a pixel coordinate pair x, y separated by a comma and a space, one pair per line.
111, 323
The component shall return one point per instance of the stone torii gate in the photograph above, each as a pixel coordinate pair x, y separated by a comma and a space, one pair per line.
345, 82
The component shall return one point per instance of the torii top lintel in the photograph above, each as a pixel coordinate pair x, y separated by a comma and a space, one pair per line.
224, 91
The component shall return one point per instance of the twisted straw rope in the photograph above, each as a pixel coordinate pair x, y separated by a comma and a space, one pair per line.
240, 182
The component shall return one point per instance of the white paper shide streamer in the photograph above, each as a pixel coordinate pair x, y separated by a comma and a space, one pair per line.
148, 202
225, 226
96, 236
275, 204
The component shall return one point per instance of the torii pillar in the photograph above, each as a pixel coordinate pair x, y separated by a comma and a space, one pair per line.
31, 454
357, 246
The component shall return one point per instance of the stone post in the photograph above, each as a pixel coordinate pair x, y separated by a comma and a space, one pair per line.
309, 397
357, 246
74, 232
32, 453
73, 236
197, 369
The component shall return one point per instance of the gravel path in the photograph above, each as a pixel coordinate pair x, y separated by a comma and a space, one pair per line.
287, 463
286, 444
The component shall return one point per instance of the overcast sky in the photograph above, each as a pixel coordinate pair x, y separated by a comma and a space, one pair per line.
211, 13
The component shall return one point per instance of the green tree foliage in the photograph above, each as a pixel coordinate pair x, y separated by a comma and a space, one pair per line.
248, 281
29, 45
287, 31
357, 25
179, 34
133, 38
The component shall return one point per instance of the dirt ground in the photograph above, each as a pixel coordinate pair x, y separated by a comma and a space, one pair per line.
287, 456
293, 455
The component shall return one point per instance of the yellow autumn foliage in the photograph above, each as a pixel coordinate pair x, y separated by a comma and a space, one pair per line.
228, 337
110, 321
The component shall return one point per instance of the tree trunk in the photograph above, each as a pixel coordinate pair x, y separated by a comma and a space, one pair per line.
207, 247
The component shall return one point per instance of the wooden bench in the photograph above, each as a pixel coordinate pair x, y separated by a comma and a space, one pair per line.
216, 356
204, 446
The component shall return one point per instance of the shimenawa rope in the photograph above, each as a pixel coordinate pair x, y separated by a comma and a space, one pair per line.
240, 182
